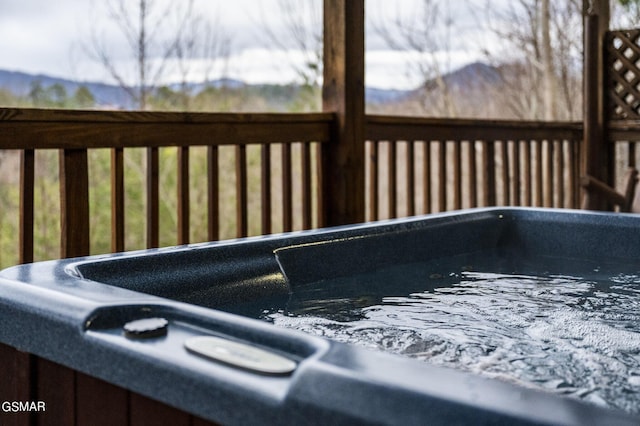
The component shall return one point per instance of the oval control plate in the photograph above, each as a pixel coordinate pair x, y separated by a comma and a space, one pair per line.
240, 355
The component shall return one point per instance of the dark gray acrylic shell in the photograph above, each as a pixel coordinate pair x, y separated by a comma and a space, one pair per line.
72, 312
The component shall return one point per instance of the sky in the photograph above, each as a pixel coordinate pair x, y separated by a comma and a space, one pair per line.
55, 38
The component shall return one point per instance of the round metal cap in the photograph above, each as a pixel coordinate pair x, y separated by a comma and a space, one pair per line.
146, 328
240, 354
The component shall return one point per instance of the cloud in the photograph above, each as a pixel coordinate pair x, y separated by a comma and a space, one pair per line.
50, 40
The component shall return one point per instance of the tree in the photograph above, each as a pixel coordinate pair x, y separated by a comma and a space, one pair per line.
37, 94
8, 99
83, 98
54, 96
57, 95
143, 31
199, 43
158, 38
425, 35
543, 41
534, 47
626, 13
299, 34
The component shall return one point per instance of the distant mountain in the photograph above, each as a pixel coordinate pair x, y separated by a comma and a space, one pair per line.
107, 95
473, 76
21, 84
467, 77
374, 95
195, 88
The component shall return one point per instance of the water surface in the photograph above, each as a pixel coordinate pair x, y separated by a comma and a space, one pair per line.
576, 335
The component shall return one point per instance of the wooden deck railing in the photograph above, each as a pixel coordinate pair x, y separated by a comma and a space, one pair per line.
75, 133
272, 162
422, 165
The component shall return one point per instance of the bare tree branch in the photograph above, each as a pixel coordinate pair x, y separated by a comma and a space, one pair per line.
301, 31
426, 32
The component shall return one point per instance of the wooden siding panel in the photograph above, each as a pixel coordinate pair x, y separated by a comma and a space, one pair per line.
99, 403
57, 387
17, 373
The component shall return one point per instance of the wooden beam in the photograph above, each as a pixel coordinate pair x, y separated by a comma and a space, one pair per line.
343, 94
597, 154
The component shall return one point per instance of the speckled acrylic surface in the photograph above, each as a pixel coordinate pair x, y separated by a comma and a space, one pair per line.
73, 311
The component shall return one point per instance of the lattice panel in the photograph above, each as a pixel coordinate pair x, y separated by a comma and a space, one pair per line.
623, 71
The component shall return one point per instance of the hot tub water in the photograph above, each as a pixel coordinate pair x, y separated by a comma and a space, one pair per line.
572, 335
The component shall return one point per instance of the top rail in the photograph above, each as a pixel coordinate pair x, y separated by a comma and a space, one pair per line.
61, 129
380, 127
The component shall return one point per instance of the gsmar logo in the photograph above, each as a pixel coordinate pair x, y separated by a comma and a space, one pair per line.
23, 406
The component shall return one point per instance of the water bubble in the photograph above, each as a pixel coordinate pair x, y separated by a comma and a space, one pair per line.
634, 380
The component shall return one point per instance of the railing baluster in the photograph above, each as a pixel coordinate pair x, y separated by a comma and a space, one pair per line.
241, 191
527, 172
153, 203
27, 183
548, 196
392, 180
373, 178
265, 188
74, 202
426, 177
213, 206
321, 209
411, 202
575, 161
473, 178
183, 195
117, 199
457, 175
305, 158
442, 177
517, 188
539, 173
504, 155
489, 169
561, 181
287, 188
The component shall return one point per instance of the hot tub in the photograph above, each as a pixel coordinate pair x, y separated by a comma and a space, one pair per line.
196, 327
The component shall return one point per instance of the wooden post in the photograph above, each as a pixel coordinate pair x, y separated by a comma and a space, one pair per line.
343, 180
74, 202
597, 154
